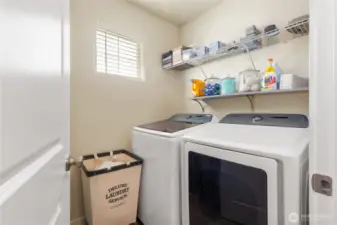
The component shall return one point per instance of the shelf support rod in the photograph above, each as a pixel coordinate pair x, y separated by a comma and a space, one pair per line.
250, 98
250, 55
201, 106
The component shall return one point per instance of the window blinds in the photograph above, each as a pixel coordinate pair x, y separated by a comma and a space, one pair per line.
116, 54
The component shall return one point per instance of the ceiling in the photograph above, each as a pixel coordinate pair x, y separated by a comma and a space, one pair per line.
177, 11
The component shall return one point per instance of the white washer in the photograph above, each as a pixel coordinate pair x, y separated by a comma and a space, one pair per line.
159, 145
248, 169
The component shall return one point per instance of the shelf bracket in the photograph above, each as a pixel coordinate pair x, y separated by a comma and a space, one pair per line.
250, 98
201, 106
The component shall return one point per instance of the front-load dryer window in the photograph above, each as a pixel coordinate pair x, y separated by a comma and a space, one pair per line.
225, 193
224, 187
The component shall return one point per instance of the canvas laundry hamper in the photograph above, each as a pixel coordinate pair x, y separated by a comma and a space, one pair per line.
111, 194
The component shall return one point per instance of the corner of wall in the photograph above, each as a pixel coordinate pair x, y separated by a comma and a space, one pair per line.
79, 221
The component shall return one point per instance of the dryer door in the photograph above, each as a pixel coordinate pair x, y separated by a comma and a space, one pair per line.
224, 187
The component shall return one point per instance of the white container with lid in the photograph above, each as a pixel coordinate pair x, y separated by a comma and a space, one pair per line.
291, 81
249, 80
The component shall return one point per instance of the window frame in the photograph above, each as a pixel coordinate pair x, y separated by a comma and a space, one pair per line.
106, 53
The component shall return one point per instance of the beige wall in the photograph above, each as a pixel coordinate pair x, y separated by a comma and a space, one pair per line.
105, 107
227, 22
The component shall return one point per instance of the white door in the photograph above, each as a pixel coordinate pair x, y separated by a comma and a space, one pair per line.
323, 112
34, 112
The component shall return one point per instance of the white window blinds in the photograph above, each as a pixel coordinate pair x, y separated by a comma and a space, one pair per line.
116, 55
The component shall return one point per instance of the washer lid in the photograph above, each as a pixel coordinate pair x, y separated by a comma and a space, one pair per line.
178, 122
266, 141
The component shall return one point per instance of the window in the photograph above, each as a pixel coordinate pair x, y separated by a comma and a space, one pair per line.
116, 54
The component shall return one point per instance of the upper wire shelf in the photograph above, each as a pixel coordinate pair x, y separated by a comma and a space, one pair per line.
290, 32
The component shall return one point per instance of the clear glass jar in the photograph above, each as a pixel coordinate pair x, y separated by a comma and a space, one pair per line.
213, 86
228, 86
249, 80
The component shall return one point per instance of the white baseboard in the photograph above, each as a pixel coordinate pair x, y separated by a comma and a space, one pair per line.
78, 221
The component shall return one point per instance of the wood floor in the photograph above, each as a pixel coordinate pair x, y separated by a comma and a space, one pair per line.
138, 223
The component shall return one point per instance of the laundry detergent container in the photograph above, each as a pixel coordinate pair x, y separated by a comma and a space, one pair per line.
111, 187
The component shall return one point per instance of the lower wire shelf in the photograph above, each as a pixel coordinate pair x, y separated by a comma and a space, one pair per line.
254, 93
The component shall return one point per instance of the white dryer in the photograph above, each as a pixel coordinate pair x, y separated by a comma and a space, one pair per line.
158, 144
248, 169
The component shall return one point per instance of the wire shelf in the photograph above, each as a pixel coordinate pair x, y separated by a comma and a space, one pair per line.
248, 44
287, 91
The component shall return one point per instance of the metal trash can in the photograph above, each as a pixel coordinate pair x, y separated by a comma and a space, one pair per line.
111, 187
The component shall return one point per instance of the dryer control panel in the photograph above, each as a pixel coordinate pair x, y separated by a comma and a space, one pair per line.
275, 120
